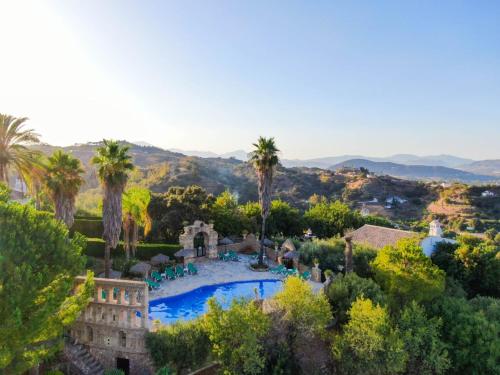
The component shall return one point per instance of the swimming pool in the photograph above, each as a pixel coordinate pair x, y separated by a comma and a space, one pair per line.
192, 304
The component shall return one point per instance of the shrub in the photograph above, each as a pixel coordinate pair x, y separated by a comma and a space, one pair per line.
369, 344
427, 354
406, 274
145, 251
306, 311
344, 290
330, 254
471, 330
89, 227
38, 301
236, 336
114, 371
180, 346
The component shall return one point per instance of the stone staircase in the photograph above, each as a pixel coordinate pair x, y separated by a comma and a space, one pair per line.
81, 360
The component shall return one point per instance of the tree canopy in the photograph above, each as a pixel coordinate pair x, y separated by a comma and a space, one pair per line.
236, 336
344, 290
406, 274
369, 344
327, 219
38, 263
14, 153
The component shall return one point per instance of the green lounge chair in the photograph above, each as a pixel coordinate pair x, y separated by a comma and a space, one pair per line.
179, 271
192, 269
306, 275
233, 256
152, 284
155, 275
292, 272
170, 274
284, 271
278, 269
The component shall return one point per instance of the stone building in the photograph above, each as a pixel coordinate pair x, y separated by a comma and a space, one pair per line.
113, 326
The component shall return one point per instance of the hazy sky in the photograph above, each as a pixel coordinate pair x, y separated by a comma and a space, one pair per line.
323, 77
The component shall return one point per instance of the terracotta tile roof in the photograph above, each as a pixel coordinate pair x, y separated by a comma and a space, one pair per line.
378, 237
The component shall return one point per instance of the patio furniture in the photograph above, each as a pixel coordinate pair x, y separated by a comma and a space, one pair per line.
278, 269
151, 284
233, 256
169, 273
155, 275
292, 272
192, 269
179, 271
306, 275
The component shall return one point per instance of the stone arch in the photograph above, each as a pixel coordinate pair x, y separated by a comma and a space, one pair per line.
192, 232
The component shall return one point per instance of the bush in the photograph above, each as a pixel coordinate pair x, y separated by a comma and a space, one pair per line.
471, 330
180, 346
369, 345
406, 274
306, 311
330, 254
236, 336
114, 371
145, 251
344, 290
89, 227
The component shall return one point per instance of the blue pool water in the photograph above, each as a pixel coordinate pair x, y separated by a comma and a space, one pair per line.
192, 304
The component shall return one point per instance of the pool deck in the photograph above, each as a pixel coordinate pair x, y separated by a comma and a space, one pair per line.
212, 272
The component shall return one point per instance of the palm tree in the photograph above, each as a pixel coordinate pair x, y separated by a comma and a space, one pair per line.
63, 181
135, 205
264, 159
113, 164
13, 151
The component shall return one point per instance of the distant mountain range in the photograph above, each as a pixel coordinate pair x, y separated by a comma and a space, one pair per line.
428, 167
408, 159
414, 172
488, 167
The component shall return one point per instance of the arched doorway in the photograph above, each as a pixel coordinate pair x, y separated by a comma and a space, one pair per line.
200, 242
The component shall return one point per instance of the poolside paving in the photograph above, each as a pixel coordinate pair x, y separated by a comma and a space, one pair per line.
211, 272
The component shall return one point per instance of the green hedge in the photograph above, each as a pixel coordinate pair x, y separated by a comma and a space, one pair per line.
145, 251
89, 227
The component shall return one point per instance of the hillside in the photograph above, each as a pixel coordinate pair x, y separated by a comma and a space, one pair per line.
416, 172
159, 169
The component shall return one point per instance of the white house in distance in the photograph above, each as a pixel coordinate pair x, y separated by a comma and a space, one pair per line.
435, 236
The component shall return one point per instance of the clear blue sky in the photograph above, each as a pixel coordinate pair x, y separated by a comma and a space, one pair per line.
323, 77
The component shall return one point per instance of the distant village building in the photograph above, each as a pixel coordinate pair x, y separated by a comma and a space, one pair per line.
435, 236
364, 211
487, 194
395, 199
